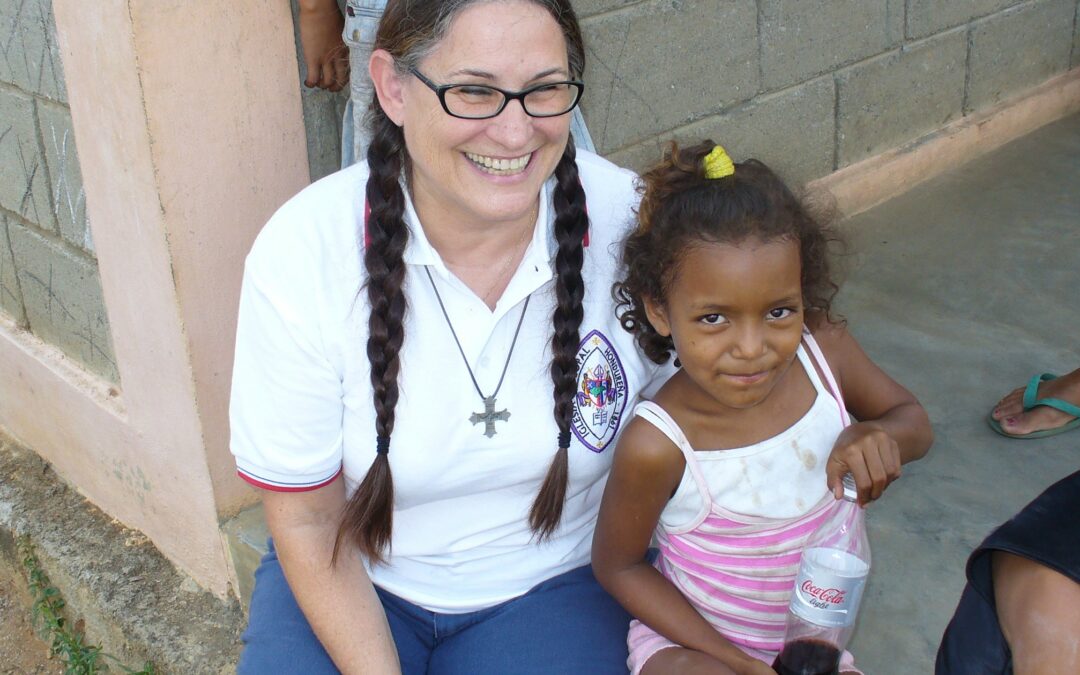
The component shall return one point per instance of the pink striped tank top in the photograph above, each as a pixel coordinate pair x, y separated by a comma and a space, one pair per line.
738, 567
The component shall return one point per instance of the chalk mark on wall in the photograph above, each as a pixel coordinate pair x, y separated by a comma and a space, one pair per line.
133, 478
27, 203
17, 293
35, 76
47, 50
62, 193
618, 84
92, 344
51, 294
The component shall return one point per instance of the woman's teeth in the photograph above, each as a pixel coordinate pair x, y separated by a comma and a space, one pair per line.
499, 167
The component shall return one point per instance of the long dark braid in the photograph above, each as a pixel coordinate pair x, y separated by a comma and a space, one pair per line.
571, 224
368, 516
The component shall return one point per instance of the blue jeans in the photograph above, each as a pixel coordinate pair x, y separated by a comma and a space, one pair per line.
567, 624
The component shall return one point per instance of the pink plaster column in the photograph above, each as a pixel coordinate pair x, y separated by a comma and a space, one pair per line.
188, 121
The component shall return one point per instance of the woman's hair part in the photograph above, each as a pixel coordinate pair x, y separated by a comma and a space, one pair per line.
411, 29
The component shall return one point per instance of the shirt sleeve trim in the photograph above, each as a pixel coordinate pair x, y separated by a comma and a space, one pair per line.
276, 486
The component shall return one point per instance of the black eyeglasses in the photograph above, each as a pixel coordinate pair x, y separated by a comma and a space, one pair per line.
479, 101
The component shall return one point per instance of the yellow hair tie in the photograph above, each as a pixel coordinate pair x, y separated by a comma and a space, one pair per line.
718, 164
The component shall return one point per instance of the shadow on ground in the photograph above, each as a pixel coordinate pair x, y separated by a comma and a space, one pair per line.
962, 289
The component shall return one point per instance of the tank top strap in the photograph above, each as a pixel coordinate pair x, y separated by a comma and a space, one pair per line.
820, 372
659, 418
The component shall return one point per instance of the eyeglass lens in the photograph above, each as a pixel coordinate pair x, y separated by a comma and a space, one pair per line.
469, 100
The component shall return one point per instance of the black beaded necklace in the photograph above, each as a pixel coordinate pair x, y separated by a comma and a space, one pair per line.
489, 416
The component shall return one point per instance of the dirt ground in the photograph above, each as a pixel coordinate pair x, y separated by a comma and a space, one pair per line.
22, 652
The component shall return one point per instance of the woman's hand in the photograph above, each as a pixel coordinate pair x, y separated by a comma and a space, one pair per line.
870, 455
326, 57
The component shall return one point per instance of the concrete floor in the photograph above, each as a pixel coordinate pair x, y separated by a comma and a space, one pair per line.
962, 289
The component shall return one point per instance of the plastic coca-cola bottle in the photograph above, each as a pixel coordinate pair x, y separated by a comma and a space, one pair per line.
828, 588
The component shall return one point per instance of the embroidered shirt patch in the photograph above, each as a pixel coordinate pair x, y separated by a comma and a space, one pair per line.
602, 392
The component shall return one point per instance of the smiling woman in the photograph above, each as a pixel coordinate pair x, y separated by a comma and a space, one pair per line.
460, 202
429, 372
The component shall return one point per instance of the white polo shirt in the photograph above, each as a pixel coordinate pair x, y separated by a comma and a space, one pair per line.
302, 409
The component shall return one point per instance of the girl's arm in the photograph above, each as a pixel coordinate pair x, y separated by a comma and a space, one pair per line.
647, 469
892, 428
339, 602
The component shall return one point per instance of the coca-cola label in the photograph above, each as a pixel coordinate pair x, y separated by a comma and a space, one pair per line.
829, 587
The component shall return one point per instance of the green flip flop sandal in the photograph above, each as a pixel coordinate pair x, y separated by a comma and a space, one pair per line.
1031, 400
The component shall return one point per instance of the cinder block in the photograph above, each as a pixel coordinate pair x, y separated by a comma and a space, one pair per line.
1075, 61
801, 40
68, 196
888, 101
791, 131
896, 20
24, 182
62, 296
587, 8
926, 17
29, 53
659, 65
1016, 50
10, 298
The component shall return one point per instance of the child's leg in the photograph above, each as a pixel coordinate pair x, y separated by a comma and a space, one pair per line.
1039, 612
684, 661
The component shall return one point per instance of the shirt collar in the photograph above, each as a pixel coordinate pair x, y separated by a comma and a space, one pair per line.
540, 254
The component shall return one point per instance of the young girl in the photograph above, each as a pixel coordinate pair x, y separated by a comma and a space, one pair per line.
743, 450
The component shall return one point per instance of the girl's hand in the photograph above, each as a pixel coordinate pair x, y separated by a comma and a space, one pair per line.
870, 455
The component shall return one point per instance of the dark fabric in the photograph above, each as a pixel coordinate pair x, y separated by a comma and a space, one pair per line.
973, 643
1047, 531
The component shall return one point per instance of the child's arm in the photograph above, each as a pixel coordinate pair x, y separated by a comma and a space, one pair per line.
647, 469
893, 427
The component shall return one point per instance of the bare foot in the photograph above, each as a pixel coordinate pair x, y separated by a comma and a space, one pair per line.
1009, 411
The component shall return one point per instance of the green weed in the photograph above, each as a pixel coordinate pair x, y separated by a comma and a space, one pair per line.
78, 657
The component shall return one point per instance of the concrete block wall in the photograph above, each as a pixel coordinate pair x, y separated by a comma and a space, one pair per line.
49, 280
809, 87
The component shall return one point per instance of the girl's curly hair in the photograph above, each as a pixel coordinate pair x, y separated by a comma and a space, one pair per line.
680, 206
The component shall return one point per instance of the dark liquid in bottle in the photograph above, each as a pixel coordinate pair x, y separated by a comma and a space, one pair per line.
808, 657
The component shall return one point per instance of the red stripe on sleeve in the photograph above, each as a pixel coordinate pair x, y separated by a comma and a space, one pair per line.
286, 488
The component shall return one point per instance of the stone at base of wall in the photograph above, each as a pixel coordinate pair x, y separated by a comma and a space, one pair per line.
132, 602
865, 184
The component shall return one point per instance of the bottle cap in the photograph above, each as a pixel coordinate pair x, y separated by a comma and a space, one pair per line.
851, 493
